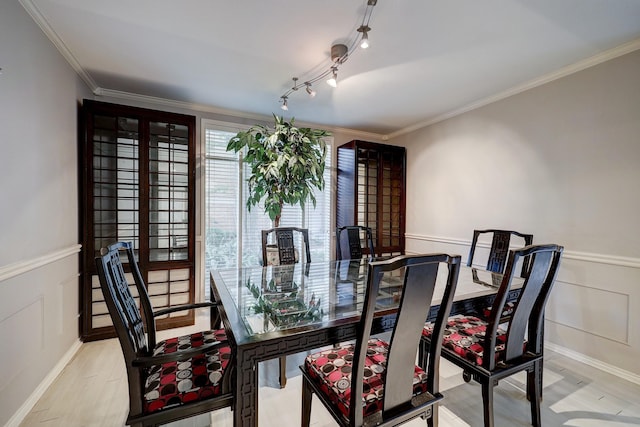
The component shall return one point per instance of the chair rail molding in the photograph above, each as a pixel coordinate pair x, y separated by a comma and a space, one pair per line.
619, 261
21, 267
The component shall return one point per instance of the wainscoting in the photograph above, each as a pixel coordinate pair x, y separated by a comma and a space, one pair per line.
38, 327
593, 313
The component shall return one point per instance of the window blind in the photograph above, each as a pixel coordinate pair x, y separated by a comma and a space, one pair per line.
233, 232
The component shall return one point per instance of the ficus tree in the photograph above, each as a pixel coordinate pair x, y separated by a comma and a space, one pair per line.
287, 164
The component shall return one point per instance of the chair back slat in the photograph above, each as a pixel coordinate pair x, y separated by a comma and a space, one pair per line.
415, 304
526, 320
355, 249
419, 281
498, 252
124, 311
143, 294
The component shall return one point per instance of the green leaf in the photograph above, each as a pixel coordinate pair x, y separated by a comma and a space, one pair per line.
286, 163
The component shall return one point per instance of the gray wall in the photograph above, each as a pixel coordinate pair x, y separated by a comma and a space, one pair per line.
39, 94
561, 161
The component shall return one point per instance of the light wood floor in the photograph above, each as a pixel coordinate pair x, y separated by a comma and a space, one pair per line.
92, 391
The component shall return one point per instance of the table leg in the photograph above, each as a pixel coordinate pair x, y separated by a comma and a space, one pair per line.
246, 392
283, 371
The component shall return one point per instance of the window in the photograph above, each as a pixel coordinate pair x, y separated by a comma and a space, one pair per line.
232, 232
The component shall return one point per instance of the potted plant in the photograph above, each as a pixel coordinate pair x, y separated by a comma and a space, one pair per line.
287, 164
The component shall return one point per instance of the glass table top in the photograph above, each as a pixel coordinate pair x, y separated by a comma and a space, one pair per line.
278, 298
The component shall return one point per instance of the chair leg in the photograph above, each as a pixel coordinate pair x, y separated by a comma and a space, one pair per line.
307, 393
432, 421
534, 392
540, 377
421, 352
283, 371
487, 402
541, 370
215, 319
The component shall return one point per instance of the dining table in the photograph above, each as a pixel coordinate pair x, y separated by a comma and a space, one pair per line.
272, 311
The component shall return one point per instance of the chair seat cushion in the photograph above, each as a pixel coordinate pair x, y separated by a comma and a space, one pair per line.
507, 310
465, 334
198, 378
331, 370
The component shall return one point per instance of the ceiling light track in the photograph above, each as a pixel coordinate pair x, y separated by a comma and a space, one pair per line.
339, 55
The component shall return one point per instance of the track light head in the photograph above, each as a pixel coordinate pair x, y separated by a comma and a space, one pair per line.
310, 91
284, 105
333, 80
364, 29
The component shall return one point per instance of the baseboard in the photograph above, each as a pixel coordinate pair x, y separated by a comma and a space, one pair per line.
26, 407
611, 369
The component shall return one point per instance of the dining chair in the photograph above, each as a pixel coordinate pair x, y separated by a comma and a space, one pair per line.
350, 240
499, 250
376, 382
284, 238
500, 241
169, 379
148, 312
488, 350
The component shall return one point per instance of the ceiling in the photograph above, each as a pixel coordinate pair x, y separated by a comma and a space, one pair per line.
427, 59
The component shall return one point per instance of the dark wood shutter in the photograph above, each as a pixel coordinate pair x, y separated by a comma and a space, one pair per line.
137, 173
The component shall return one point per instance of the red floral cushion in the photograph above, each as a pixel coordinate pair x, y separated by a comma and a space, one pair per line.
198, 378
465, 334
507, 310
331, 370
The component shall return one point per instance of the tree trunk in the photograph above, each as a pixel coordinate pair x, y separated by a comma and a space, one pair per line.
276, 220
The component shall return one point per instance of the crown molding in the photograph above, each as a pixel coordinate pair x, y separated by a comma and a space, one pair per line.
39, 19
607, 55
57, 41
223, 111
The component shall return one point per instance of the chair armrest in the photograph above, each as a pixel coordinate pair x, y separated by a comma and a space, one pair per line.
146, 361
185, 307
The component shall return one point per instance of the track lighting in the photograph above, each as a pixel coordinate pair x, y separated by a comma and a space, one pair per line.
310, 91
364, 29
333, 80
339, 55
